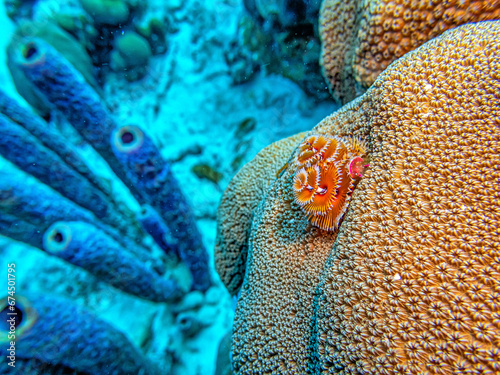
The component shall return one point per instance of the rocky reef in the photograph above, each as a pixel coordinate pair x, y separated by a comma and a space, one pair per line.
408, 282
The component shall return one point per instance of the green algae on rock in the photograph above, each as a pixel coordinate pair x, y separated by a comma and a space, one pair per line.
131, 55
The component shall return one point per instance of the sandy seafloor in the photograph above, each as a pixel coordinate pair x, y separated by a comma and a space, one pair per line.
190, 107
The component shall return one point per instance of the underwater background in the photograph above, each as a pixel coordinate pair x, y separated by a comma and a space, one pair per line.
123, 122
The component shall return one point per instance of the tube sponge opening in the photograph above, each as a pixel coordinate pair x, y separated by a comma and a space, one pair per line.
188, 324
23, 314
5, 316
30, 52
127, 138
57, 238
88, 247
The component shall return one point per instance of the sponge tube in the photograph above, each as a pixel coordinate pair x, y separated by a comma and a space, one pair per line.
66, 89
147, 169
86, 246
58, 336
24, 197
46, 166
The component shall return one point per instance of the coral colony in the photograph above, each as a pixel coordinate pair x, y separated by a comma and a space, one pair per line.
340, 268
368, 244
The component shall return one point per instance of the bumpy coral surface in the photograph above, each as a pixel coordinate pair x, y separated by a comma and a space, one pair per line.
410, 281
247, 188
362, 37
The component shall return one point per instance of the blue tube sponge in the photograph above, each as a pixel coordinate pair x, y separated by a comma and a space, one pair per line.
54, 141
154, 225
24, 197
65, 88
86, 246
20, 230
59, 337
48, 167
147, 169
30, 200
145, 173
49, 137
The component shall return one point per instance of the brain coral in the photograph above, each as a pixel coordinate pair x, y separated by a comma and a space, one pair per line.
362, 37
410, 282
233, 221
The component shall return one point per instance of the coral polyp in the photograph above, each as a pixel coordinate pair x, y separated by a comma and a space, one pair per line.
355, 147
323, 189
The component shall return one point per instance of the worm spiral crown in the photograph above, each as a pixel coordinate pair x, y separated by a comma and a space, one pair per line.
328, 170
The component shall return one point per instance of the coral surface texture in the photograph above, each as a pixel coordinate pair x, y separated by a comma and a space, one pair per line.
362, 37
410, 281
121, 124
